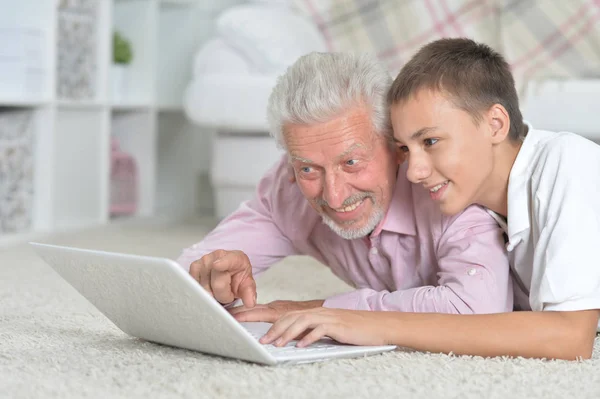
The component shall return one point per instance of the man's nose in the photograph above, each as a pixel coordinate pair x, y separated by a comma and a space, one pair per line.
419, 168
334, 190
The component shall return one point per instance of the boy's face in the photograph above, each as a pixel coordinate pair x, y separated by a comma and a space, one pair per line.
446, 151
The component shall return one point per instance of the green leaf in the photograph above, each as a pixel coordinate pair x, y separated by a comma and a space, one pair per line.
122, 53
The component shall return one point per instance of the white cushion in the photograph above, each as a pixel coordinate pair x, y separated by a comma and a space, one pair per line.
271, 37
216, 56
229, 101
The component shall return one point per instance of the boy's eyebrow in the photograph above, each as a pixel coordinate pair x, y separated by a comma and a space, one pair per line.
421, 132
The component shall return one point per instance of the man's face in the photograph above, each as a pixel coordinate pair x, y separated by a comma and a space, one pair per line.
447, 152
345, 169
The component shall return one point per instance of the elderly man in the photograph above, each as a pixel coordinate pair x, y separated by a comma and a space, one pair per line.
352, 208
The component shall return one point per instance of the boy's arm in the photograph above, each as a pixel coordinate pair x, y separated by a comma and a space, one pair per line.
551, 335
558, 335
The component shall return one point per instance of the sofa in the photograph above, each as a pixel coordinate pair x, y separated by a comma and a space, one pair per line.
551, 46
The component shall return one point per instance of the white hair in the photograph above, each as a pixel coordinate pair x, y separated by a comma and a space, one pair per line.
320, 86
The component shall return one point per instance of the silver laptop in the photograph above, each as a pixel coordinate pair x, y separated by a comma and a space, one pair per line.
156, 300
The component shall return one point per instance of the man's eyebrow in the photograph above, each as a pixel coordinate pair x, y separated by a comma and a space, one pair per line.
342, 155
350, 150
301, 159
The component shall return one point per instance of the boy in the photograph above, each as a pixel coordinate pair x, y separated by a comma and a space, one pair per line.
456, 116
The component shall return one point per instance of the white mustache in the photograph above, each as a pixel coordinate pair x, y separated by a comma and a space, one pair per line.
348, 201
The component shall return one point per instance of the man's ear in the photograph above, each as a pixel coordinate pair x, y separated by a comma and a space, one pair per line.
499, 122
400, 155
291, 173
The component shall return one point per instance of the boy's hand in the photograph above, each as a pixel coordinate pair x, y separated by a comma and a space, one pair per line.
271, 312
357, 327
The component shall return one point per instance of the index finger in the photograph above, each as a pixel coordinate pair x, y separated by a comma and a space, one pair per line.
263, 314
243, 285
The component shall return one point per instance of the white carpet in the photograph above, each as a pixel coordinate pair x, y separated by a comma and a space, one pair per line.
53, 344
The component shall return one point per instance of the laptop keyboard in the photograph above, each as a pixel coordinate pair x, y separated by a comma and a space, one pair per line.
257, 330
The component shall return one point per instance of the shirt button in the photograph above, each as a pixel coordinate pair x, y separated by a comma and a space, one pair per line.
510, 247
471, 272
374, 251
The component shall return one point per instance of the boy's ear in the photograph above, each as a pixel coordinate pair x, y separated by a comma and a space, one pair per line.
499, 123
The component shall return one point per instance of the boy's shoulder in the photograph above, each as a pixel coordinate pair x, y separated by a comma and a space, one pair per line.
555, 156
560, 148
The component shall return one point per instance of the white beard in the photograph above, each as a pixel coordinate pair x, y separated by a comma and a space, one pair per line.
349, 233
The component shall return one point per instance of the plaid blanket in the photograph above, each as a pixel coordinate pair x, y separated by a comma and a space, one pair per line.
539, 38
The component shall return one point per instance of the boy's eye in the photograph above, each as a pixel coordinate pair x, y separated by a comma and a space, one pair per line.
430, 142
403, 148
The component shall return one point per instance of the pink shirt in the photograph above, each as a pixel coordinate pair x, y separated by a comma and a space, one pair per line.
417, 260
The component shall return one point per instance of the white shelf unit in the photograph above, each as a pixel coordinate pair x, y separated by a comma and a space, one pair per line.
55, 66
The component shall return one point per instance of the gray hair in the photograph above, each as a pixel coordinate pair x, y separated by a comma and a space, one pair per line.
321, 86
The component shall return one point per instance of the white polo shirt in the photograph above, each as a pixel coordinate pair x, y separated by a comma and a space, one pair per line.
554, 222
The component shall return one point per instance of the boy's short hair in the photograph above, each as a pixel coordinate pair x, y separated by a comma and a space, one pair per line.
472, 75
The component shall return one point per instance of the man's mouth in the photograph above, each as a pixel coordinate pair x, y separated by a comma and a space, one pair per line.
350, 208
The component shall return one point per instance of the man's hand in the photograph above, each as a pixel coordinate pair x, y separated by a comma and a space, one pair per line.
226, 275
271, 312
358, 327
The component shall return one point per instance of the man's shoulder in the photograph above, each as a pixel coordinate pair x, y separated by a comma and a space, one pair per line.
472, 216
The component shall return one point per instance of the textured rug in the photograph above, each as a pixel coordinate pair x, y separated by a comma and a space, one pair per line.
54, 344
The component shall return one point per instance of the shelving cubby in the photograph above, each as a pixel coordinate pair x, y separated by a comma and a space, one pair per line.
59, 112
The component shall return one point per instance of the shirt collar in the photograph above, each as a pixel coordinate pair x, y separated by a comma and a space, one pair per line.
499, 219
518, 208
400, 216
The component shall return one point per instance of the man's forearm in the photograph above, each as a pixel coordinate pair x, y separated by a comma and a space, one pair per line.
436, 299
559, 335
239, 232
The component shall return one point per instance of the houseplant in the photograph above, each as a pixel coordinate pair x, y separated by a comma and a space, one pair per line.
122, 56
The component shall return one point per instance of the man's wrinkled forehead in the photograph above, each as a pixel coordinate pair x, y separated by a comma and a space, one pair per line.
296, 156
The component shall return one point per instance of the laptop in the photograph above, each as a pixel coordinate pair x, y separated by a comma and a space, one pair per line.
156, 300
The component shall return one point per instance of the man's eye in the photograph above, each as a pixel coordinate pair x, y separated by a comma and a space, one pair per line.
351, 162
306, 169
430, 142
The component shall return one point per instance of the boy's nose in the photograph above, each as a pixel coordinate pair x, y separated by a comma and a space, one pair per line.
418, 169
